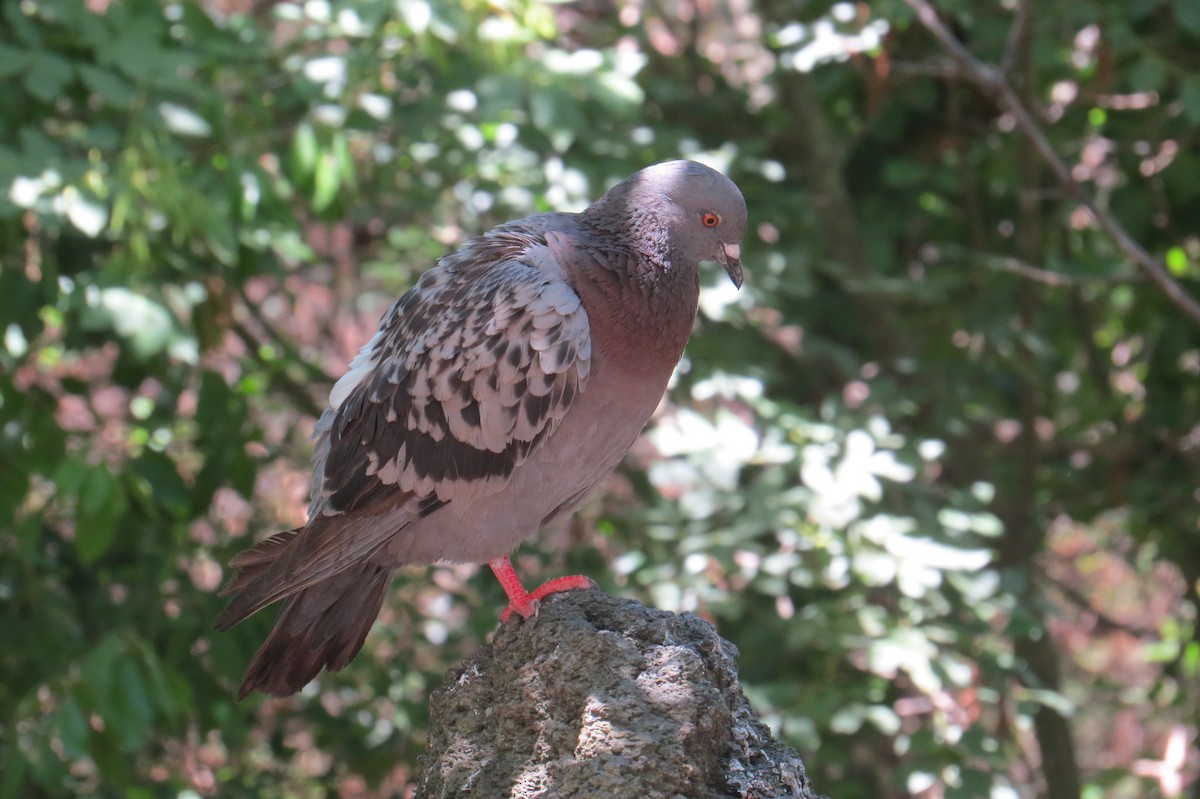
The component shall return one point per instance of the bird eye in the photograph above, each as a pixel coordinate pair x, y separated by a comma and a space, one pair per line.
709, 219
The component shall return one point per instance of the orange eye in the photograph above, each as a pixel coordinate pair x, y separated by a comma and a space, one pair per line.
709, 219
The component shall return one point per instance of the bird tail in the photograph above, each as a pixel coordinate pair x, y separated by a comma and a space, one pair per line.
322, 626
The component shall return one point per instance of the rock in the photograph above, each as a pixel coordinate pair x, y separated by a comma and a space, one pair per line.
603, 697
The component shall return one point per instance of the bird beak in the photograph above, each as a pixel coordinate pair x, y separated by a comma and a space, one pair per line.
730, 257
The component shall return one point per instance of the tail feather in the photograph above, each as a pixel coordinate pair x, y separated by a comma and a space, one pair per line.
262, 579
293, 561
252, 563
320, 626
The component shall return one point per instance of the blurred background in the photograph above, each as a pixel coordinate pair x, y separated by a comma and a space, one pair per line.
933, 470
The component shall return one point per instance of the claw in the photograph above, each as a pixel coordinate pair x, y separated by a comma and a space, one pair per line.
526, 603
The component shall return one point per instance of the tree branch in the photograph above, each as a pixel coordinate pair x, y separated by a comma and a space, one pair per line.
1105, 623
992, 82
297, 387
1004, 263
1015, 34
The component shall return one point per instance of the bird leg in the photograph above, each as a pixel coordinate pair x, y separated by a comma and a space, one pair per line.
526, 603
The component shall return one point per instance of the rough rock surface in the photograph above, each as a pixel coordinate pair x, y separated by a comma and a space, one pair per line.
603, 697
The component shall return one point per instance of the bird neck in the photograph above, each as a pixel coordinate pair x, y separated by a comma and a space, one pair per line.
644, 296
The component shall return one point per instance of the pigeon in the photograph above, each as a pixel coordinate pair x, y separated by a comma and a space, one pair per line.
495, 394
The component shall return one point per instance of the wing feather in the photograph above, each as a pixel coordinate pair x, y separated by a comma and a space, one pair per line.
469, 373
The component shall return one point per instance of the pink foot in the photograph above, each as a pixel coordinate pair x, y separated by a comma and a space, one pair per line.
526, 603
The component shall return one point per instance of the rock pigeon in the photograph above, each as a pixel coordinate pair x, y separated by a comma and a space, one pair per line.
496, 393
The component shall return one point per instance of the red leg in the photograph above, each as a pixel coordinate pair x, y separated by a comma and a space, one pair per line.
525, 603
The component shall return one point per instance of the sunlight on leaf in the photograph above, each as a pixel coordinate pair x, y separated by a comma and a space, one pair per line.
184, 121
144, 322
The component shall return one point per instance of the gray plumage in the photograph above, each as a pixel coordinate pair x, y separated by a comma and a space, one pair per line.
496, 393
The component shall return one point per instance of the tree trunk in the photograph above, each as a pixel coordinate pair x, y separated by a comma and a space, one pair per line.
603, 697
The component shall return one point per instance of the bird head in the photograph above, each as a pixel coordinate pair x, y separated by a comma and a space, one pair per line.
686, 211
709, 215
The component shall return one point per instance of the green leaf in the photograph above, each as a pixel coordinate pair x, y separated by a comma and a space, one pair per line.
69, 477
134, 712
154, 679
326, 182
497, 93
1187, 13
304, 155
555, 113
37, 148
15, 767
903, 173
87, 216
12, 61
111, 760
345, 161
100, 504
1177, 262
618, 92
73, 730
136, 50
144, 322
116, 687
215, 403
48, 76
1189, 95
184, 121
1147, 75
107, 85
97, 670
162, 488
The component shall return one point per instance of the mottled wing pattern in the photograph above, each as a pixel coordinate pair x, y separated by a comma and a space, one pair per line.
469, 372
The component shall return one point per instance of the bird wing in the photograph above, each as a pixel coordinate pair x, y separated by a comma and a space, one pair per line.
468, 374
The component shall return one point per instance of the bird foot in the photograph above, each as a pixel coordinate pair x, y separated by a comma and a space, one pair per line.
526, 603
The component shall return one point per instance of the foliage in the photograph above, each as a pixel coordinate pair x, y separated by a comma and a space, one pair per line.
933, 470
